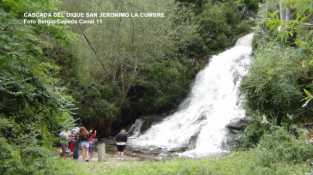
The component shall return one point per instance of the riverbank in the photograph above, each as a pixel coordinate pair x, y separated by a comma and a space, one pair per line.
237, 163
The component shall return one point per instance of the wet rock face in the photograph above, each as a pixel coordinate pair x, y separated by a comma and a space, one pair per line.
237, 125
235, 132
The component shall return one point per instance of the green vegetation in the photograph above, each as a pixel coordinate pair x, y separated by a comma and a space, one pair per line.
108, 75
278, 85
282, 68
236, 163
33, 105
127, 63
270, 87
218, 24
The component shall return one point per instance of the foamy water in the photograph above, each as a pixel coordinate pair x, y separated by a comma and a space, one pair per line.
200, 122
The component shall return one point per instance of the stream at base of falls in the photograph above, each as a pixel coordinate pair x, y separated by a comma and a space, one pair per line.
135, 155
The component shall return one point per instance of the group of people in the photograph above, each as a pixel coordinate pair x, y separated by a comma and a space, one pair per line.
78, 141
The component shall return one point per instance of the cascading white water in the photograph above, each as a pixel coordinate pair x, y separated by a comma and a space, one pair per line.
213, 102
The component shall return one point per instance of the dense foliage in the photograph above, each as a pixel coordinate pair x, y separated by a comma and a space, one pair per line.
282, 69
133, 67
33, 107
218, 24
127, 63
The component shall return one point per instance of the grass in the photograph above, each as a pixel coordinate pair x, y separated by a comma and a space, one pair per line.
237, 163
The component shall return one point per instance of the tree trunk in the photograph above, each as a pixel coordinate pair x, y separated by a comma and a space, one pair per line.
284, 11
279, 120
101, 151
281, 10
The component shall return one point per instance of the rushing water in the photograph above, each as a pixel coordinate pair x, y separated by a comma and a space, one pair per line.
135, 129
199, 125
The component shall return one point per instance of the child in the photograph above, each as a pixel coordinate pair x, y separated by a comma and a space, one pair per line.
84, 144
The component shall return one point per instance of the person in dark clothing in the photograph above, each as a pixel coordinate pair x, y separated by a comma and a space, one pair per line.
121, 141
76, 150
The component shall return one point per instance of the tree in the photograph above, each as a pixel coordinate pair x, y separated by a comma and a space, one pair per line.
34, 107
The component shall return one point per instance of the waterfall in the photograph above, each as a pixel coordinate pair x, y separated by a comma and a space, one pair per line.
135, 129
199, 125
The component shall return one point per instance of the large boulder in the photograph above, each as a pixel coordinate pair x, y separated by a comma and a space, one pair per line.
238, 124
235, 132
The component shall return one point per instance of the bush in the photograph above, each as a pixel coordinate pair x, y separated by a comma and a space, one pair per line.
10, 160
280, 146
34, 107
254, 132
283, 62
271, 86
